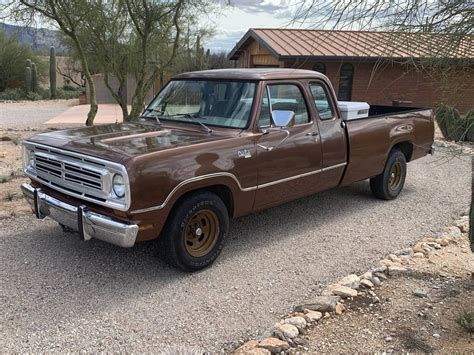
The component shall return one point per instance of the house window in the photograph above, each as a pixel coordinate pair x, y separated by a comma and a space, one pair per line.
345, 82
319, 67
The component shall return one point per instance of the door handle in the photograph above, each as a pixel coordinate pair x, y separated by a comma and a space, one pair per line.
313, 134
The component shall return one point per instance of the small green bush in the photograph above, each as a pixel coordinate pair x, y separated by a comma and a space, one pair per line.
466, 320
40, 94
12, 94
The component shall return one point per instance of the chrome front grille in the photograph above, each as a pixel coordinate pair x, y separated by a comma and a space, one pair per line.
73, 173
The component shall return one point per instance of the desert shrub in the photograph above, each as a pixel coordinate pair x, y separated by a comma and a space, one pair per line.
466, 320
12, 95
40, 94
452, 125
13, 56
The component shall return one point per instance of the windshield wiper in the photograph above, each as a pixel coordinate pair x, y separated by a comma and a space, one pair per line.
155, 117
195, 118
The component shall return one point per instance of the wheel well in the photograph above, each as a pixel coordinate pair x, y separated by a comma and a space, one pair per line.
224, 193
406, 148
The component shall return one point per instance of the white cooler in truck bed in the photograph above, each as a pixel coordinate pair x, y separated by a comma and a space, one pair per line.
353, 110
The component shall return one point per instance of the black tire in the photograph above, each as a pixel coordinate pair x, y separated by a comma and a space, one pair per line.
384, 186
175, 238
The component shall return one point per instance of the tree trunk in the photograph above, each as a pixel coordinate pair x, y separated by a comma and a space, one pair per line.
137, 105
90, 81
120, 96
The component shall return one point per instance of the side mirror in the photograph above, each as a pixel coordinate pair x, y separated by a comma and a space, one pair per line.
283, 119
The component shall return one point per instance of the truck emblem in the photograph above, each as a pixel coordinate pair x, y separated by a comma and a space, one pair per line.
244, 153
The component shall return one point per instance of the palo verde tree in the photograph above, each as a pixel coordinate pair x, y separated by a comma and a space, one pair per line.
68, 16
136, 39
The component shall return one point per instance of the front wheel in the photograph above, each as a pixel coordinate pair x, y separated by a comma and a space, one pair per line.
389, 183
195, 232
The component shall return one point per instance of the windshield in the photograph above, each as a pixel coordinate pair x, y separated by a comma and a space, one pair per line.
209, 102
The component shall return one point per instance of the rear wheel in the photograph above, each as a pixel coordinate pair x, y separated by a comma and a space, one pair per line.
389, 183
195, 232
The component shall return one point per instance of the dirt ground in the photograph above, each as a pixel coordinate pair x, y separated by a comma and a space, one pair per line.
399, 320
12, 202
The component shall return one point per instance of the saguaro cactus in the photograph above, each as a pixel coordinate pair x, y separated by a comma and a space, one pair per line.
52, 72
27, 79
34, 78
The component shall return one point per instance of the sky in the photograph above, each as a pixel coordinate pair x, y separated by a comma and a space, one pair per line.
233, 21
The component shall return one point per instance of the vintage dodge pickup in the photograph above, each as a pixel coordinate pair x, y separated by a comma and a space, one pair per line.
215, 145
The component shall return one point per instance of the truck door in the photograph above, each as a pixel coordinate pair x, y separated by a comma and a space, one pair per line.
332, 135
287, 168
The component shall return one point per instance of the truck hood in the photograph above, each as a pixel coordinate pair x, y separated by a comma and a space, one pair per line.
121, 142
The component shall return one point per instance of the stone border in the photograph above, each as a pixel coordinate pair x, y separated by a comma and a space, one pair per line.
286, 335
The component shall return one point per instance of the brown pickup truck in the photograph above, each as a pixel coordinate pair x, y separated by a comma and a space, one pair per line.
215, 145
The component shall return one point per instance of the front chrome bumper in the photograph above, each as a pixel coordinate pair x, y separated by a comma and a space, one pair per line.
88, 224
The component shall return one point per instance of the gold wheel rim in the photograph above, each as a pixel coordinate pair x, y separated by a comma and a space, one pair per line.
201, 233
395, 176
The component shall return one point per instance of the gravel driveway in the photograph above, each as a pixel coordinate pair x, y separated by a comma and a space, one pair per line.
32, 114
61, 294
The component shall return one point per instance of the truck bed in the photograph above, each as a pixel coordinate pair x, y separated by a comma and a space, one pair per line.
370, 139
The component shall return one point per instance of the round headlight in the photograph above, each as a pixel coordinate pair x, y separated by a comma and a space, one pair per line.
118, 185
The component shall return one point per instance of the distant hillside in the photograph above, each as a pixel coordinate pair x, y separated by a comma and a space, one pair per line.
39, 39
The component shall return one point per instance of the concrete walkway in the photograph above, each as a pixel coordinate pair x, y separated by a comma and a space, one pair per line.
107, 113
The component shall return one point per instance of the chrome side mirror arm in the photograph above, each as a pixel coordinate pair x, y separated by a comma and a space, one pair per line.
267, 131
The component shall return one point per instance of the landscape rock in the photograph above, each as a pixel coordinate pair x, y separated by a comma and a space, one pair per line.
376, 281
367, 275
340, 308
298, 322
396, 270
453, 232
367, 283
394, 258
288, 331
381, 276
274, 345
405, 251
313, 316
386, 262
443, 242
352, 281
300, 341
320, 304
344, 291
420, 293
418, 248
418, 255
250, 347
379, 269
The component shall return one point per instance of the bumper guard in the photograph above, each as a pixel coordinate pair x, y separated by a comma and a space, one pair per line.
87, 223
